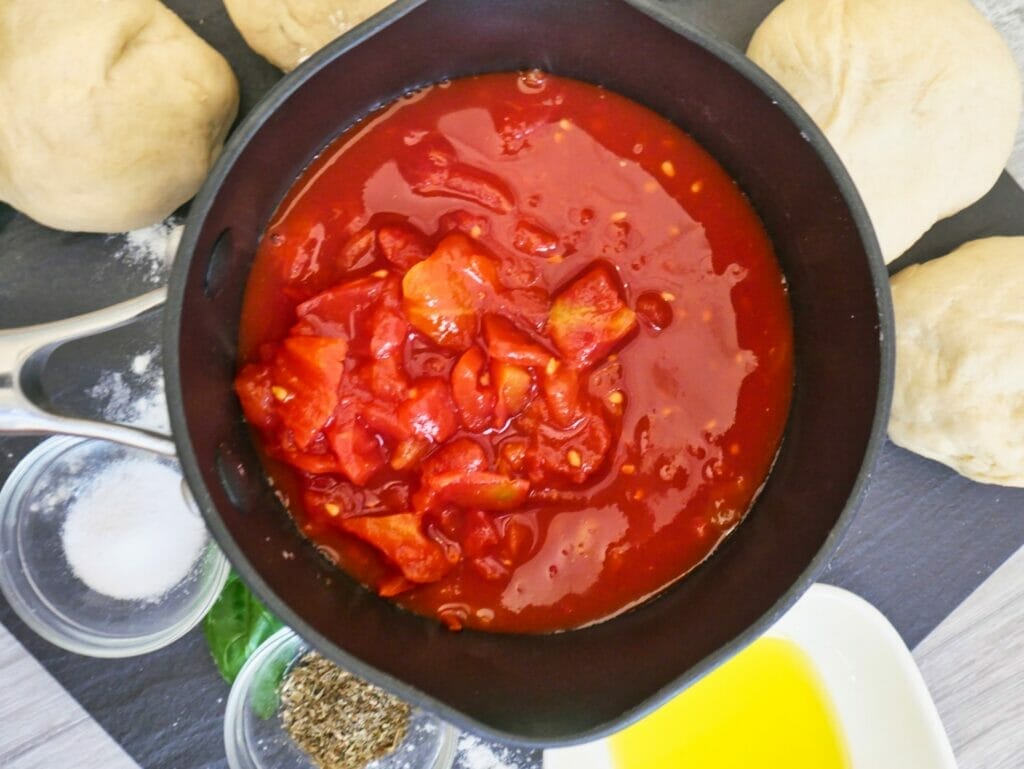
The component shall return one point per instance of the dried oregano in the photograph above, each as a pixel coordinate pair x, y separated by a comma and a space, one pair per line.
340, 721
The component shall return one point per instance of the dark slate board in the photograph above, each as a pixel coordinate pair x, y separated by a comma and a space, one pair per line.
924, 539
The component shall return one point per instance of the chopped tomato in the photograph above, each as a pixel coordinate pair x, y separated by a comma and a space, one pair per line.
402, 245
480, 533
386, 379
383, 419
305, 377
512, 456
443, 293
409, 451
474, 400
573, 454
588, 319
429, 411
358, 451
462, 454
331, 312
484, 490
315, 458
394, 585
532, 239
401, 539
390, 330
561, 386
252, 385
358, 251
507, 343
514, 388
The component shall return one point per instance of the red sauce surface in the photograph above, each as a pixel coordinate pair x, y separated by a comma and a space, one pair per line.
547, 180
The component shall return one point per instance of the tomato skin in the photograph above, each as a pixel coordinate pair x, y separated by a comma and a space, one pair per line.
480, 533
474, 401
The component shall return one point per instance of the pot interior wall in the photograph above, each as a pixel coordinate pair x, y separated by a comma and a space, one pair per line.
540, 689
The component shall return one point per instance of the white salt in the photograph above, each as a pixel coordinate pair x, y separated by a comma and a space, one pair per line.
129, 534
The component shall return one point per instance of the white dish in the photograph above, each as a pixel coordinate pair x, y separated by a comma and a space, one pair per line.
886, 714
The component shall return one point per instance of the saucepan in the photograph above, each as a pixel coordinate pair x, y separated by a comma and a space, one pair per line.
571, 686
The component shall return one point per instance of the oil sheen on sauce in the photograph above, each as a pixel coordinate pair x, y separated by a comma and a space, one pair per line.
590, 175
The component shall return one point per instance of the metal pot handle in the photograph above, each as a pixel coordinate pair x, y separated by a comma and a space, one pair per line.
23, 353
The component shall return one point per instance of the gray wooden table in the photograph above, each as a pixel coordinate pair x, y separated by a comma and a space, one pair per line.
939, 555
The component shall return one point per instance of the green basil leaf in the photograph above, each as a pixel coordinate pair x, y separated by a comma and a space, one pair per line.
263, 696
235, 627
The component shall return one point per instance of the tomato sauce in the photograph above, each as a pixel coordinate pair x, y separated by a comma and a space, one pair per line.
517, 352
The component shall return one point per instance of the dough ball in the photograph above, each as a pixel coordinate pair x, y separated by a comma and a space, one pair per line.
920, 99
287, 32
959, 395
112, 112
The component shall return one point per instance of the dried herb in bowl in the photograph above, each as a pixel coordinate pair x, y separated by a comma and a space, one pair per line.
338, 720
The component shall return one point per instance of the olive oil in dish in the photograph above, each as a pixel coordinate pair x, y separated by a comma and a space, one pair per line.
764, 708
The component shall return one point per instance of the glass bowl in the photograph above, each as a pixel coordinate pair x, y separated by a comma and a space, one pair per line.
41, 586
255, 738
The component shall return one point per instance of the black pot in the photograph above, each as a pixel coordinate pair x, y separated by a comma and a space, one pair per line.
560, 688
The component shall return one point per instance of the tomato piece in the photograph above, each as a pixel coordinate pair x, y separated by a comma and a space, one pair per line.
394, 585
429, 411
435, 171
252, 386
561, 386
389, 330
305, 377
410, 451
514, 388
483, 490
480, 533
461, 455
316, 458
334, 312
512, 456
358, 250
532, 239
386, 379
330, 499
474, 401
507, 343
359, 453
654, 310
574, 454
589, 318
443, 293
527, 307
400, 538
402, 245
383, 419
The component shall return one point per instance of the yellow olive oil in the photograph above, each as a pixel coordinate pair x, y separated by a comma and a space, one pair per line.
764, 709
